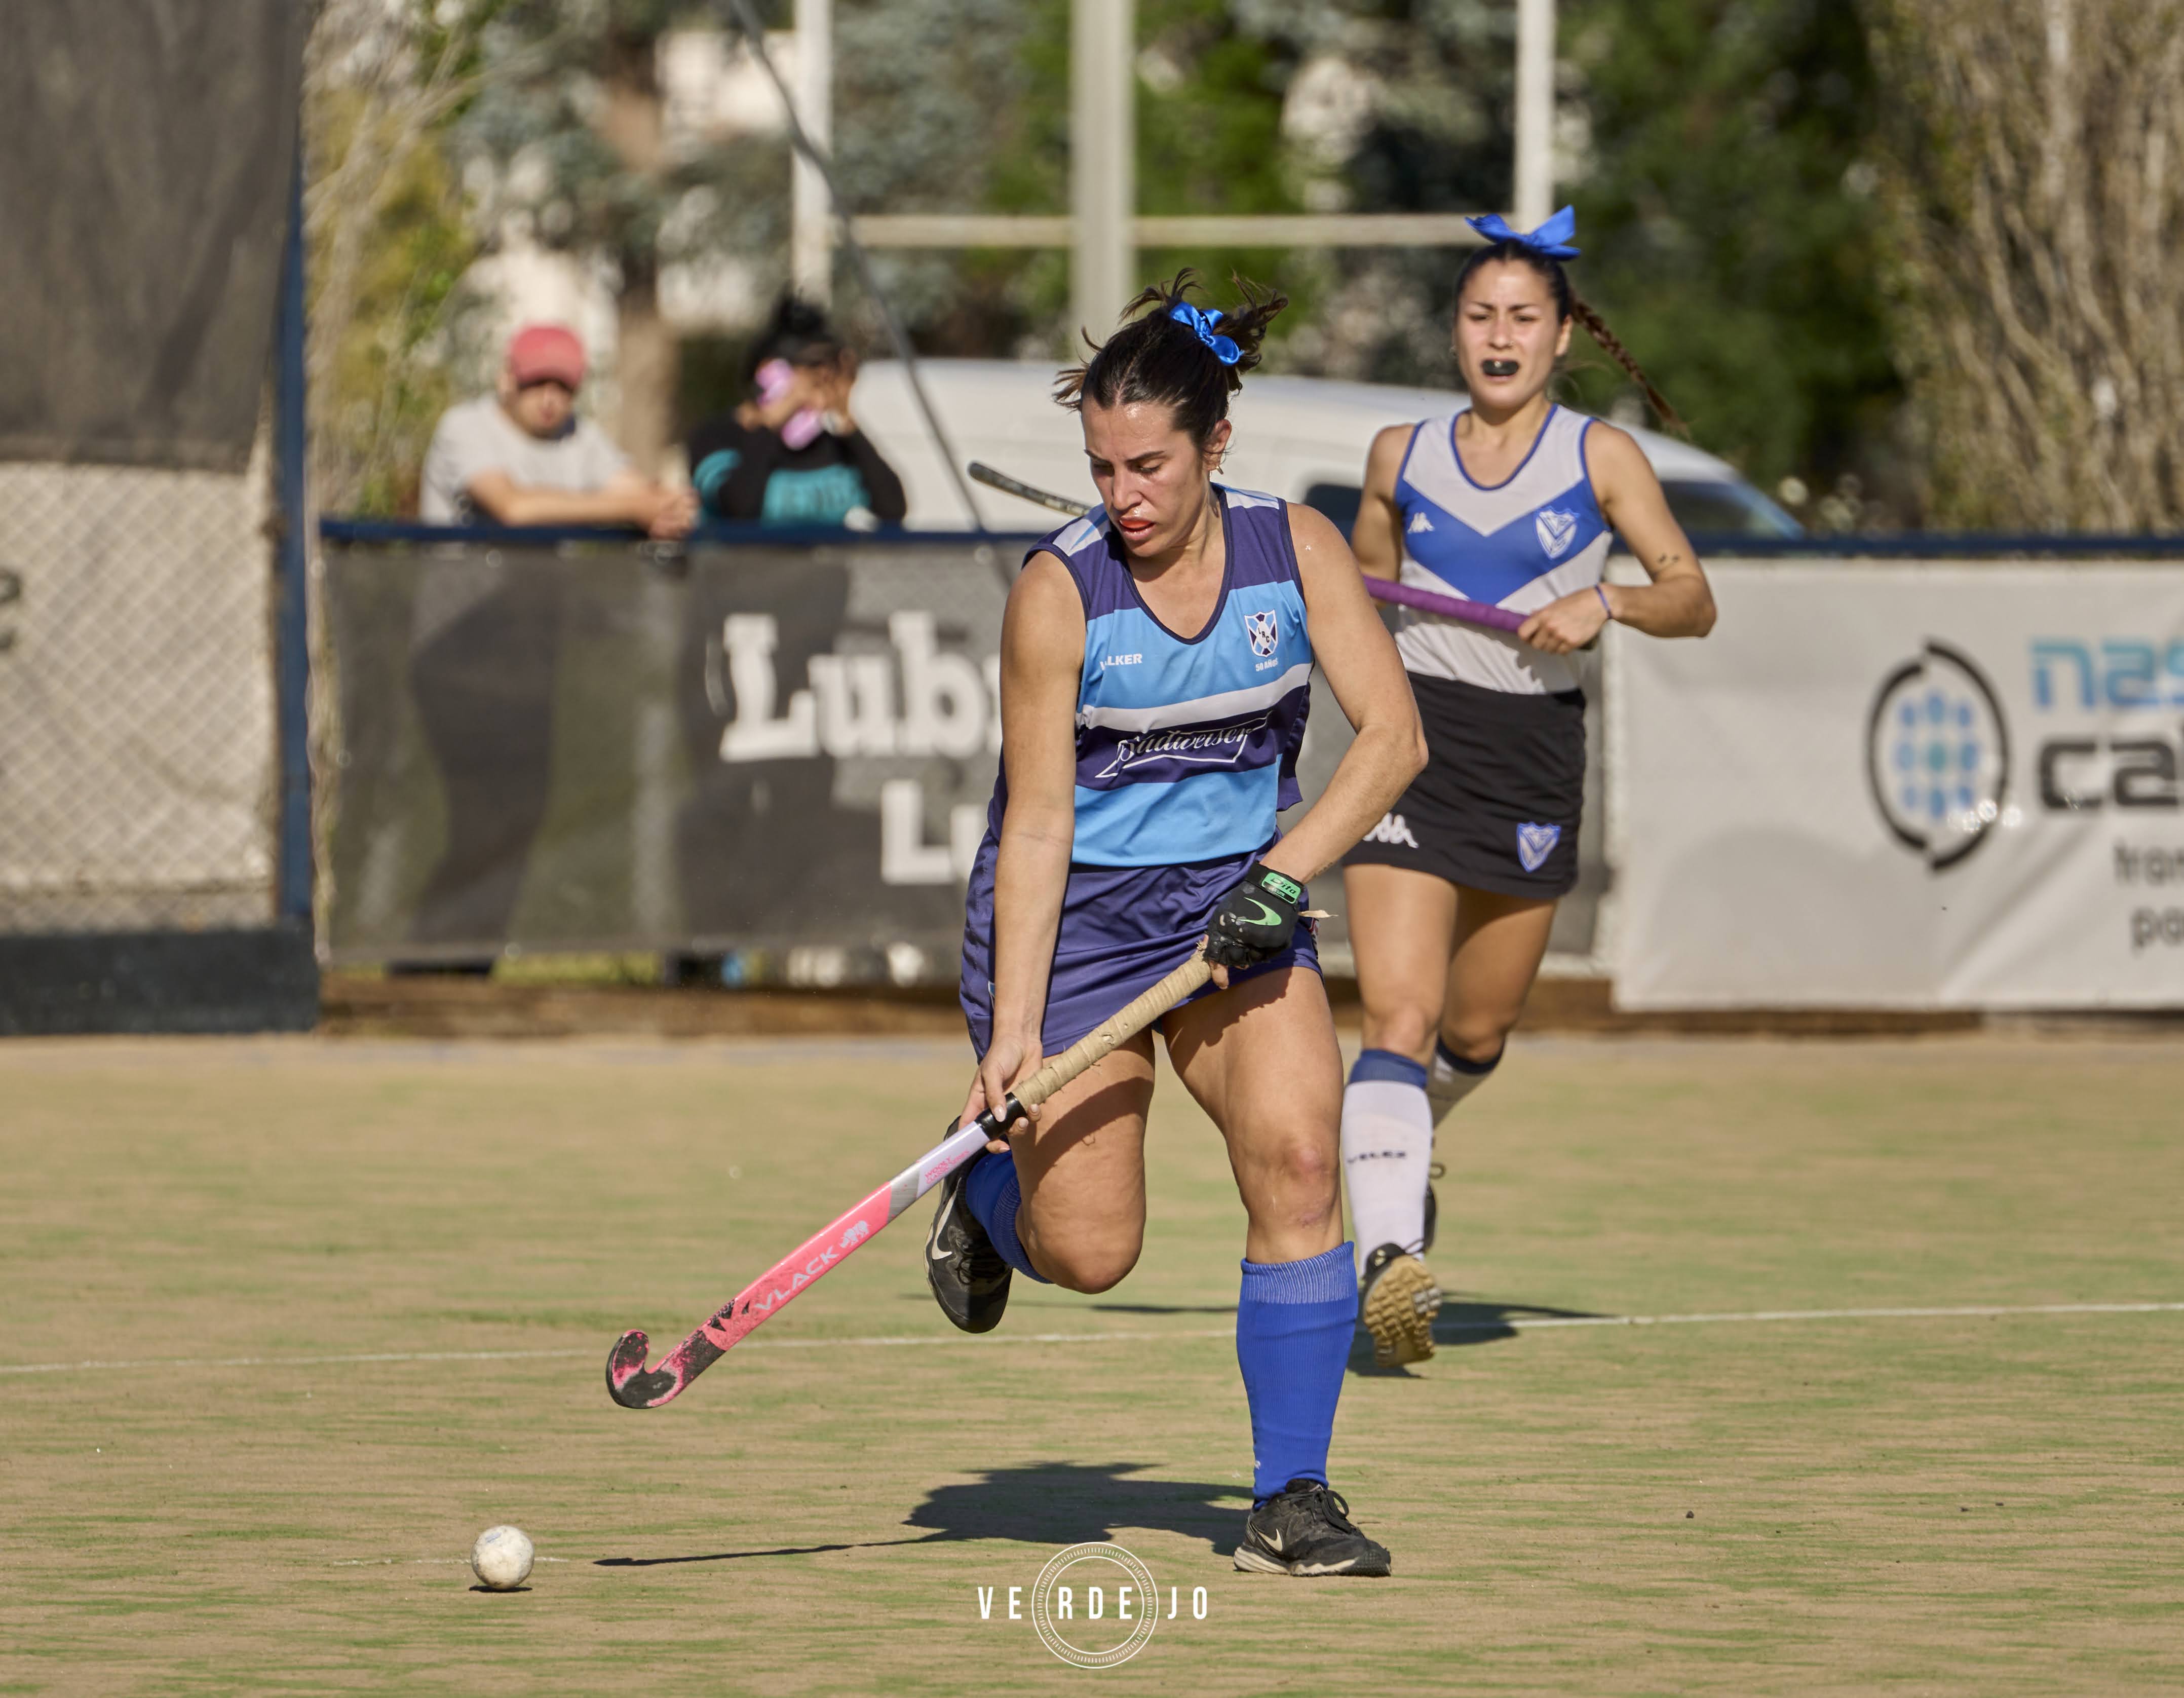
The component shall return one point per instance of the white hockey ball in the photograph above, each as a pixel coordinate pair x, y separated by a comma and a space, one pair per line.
501, 1558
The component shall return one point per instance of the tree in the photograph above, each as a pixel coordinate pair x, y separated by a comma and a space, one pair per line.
571, 129
2036, 205
387, 241
1725, 207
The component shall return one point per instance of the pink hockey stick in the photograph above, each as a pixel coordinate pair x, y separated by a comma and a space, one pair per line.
634, 1385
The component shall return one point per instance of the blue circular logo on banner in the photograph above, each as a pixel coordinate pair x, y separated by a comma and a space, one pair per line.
1938, 754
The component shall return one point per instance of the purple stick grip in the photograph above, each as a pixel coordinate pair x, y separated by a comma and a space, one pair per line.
1478, 613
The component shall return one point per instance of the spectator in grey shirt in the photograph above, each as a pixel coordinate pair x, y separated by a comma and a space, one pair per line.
521, 456
489, 629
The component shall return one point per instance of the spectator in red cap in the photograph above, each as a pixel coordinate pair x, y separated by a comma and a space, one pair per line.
521, 456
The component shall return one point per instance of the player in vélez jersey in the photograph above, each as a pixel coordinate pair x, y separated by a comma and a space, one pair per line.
1450, 896
1157, 660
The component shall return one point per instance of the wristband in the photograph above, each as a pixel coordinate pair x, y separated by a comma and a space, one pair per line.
1602, 594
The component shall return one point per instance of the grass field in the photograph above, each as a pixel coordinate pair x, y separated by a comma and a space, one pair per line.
1962, 1503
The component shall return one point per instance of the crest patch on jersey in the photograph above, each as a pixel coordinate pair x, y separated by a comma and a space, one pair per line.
1265, 633
1556, 530
1535, 843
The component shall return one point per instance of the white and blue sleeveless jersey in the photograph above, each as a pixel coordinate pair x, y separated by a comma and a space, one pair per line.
1187, 746
1535, 537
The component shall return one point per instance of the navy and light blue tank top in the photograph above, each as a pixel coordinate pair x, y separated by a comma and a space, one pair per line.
1187, 746
1535, 537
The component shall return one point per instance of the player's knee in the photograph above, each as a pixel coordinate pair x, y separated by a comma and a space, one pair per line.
1406, 1028
1305, 1175
1477, 1036
1090, 1271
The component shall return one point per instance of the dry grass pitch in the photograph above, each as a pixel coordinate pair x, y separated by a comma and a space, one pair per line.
1968, 1504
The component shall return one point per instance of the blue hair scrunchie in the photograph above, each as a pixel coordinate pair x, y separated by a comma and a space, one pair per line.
1550, 241
1225, 348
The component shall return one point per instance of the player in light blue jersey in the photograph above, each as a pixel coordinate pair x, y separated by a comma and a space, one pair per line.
1450, 896
1157, 660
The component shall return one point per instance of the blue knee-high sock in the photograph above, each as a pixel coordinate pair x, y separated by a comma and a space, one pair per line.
1294, 1322
990, 1192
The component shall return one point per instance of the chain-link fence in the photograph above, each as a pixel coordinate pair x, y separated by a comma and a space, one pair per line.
136, 699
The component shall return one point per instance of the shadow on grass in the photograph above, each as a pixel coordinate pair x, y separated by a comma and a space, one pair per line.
740, 1555
1165, 1308
1073, 1503
1050, 1503
1464, 1321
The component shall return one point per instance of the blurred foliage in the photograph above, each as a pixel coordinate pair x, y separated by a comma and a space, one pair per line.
1730, 227
388, 374
1717, 151
2033, 212
570, 128
389, 241
941, 106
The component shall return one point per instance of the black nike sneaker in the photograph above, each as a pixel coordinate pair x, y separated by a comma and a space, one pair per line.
1397, 1300
1433, 1207
969, 1281
1306, 1529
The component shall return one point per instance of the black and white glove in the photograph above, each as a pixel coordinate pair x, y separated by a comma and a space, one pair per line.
1256, 920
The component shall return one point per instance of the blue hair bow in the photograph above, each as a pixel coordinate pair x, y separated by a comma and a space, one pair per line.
1550, 241
1225, 348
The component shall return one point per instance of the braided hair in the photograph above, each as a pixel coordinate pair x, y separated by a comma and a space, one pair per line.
1569, 304
1162, 357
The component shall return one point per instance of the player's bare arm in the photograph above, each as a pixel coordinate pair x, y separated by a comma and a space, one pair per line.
1377, 538
1677, 603
1042, 657
1363, 668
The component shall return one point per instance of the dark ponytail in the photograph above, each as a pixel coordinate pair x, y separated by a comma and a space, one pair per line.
1159, 358
1569, 304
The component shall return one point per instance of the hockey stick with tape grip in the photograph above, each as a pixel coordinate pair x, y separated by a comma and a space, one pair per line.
1481, 614
635, 1385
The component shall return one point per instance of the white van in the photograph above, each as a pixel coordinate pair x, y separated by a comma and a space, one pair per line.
1303, 439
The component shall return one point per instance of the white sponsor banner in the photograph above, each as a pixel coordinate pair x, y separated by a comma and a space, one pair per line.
1904, 785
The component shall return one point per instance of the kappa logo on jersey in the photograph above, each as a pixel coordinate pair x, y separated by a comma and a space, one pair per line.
1198, 746
1265, 632
1419, 521
1535, 843
1556, 530
1392, 828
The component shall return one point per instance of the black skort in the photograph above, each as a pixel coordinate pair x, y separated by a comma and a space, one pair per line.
1498, 804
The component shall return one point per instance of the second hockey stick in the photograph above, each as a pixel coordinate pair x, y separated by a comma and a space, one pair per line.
1481, 614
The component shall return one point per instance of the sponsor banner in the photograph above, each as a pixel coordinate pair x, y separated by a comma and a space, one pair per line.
1919, 786
602, 746
785, 751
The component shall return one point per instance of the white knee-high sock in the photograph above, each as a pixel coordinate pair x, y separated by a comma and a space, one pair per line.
1450, 1079
1387, 1144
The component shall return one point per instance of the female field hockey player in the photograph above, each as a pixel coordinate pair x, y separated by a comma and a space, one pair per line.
1157, 660
1451, 898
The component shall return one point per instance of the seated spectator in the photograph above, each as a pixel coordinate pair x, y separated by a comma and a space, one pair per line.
521, 456
792, 455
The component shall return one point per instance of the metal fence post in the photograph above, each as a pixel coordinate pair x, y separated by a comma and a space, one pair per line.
292, 560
